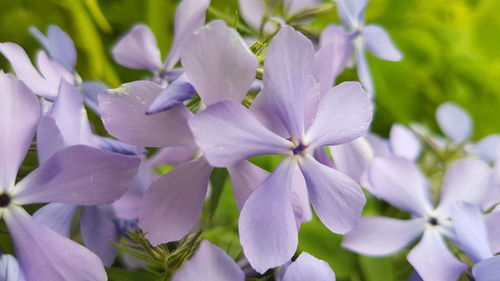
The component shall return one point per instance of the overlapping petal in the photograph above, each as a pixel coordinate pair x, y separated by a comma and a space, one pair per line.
404, 143
307, 267
56, 216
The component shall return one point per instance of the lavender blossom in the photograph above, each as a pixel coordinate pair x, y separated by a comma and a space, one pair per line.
307, 267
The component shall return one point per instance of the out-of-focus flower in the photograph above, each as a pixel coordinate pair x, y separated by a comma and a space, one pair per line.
9, 269
399, 182
307, 267
297, 121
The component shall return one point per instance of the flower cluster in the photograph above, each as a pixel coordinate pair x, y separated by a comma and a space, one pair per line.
145, 193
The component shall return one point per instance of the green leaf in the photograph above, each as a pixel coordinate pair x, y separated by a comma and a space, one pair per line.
120, 274
217, 181
376, 269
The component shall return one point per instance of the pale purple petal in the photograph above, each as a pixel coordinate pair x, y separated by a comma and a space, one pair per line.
267, 227
454, 122
465, 180
19, 114
61, 48
138, 49
252, 12
190, 16
399, 182
336, 198
287, 77
344, 114
487, 147
51, 70
432, 259
79, 175
352, 158
56, 257
56, 216
25, 70
300, 199
380, 146
292, 6
471, 231
210, 263
172, 205
243, 135
487, 270
99, 231
218, 63
352, 12
307, 267
378, 42
404, 143
10, 269
175, 94
245, 178
173, 155
332, 57
49, 139
91, 91
493, 229
113, 145
363, 69
381, 236
123, 112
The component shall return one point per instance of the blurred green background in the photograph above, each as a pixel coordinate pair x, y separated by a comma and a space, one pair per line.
451, 52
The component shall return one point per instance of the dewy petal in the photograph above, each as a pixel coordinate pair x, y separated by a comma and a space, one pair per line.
380, 236
56, 216
454, 122
332, 57
56, 258
493, 229
471, 231
61, 48
79, 175
172, 205
175, 94
432, 259
487, 147
123, 112
352, 158
244, 136
190, 16
267, 227
404, 142
210, 263
335, 197
465, 180
399, 182
10, 269
25, 70
344, 114
378, 42
218, 63
138, 49
487, 270
363, 69
99, 231
19, 115
307, 267
287, 77
245, 177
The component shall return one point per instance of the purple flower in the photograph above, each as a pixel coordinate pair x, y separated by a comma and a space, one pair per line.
399, 182
75, 175
473, 239
369, 37
307, 267
298, 121
9, 269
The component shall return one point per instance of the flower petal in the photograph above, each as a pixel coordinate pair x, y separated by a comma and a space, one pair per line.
307, 267
56, 257
336, 198
10, 269
210, 263
432, 259
56, 216
189, 17
123, 113
352, 12
173, 155
404, 142
175, 94
379, 43
399, 182
61, 48
344, 114
352, 158
454, 122
79, 175
380, 236
91, 91
287, 78
172, 204
364, 73
244, 136
465, 180
19, 115
487, 270
471, 231
218, 63
245, 178
493, 229
138, 49
292, 6
98, 231
267, 228
487, 147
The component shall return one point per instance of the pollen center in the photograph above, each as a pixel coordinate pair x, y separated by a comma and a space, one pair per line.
432, 221
299, 149
4, 200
